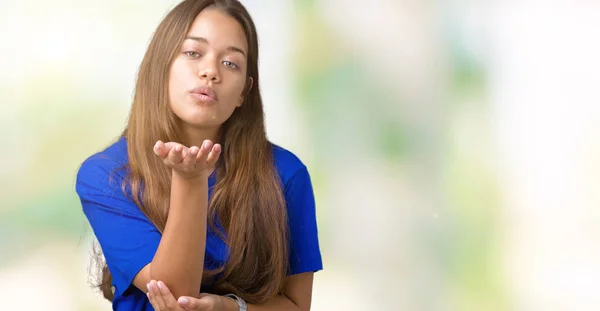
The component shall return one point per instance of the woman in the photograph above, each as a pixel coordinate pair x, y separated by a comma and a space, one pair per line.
221, 218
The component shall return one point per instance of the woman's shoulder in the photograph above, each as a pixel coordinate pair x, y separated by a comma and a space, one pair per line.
103, 170
287, 163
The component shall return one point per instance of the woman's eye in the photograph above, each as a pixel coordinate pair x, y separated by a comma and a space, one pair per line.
230, 64
192, 54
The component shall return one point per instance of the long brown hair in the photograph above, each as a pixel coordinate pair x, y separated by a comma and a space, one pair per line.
247, 197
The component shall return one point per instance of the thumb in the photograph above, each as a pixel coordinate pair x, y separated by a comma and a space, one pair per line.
160, 150
188, 303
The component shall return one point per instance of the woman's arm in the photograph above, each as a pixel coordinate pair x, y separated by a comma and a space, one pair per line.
180, 256
179, 259
297, 295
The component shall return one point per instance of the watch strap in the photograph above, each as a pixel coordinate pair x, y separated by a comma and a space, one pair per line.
240, 302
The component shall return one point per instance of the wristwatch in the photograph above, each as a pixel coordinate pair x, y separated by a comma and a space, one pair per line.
240, 302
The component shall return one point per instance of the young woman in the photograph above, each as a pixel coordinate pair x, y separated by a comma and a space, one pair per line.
193, 208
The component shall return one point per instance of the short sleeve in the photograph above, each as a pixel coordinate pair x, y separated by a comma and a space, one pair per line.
127, 237
305, 254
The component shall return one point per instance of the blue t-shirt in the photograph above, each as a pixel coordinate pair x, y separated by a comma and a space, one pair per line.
129, 240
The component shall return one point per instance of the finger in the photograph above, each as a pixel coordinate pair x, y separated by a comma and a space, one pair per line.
152, 302
170, 145
168, 298
160, 149
190, 157
204, 150
152, 298
213, 156
175, 155
158, 298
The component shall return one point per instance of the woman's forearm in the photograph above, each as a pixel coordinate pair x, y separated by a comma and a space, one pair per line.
280, 303
179, 260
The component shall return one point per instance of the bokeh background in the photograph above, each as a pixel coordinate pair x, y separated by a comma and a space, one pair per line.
454, 145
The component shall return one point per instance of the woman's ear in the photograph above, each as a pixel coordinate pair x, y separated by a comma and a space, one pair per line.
246, 90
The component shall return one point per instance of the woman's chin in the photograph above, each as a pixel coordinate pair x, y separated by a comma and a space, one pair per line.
201, 120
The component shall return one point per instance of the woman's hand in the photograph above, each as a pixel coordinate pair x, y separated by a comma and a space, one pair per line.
189, 163
163, 300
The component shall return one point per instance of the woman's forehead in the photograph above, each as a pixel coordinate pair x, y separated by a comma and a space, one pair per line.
218, 28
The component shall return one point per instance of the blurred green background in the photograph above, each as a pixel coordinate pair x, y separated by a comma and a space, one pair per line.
453, 145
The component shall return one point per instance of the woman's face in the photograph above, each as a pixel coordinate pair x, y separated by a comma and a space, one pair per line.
208, 76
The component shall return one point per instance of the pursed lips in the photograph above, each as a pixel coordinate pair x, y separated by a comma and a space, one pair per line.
204, 93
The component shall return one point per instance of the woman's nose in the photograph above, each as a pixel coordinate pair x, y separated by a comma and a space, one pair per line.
209, 73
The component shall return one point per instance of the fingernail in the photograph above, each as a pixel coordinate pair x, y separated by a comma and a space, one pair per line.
206, 143
183, 300
149, 286
161, 285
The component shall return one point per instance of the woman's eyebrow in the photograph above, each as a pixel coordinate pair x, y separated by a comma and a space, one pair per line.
229, 48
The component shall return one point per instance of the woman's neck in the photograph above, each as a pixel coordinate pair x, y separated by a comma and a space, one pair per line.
195, 136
